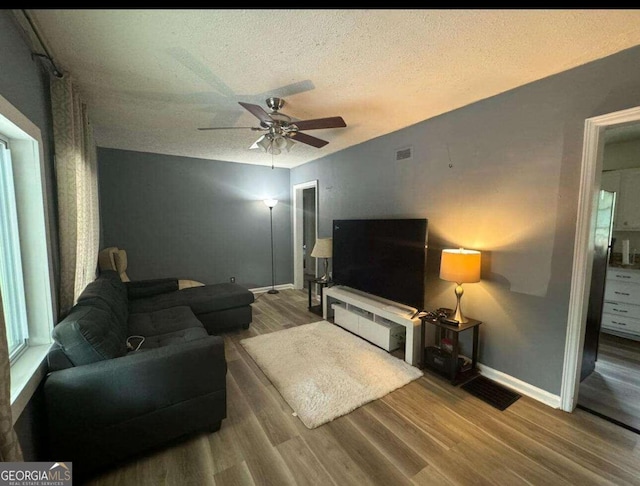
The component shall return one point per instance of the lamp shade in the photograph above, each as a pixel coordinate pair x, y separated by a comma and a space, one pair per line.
460, 266
323, 248
270, 202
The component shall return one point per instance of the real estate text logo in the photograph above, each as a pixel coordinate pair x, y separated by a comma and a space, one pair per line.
36, 474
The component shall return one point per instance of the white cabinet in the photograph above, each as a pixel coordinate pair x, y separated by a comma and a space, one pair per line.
629, 201
379, 331
384, 323
621, 311
626, 184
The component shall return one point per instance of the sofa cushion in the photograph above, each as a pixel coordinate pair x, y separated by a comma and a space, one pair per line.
57, 359
176, 337
148, 288
89, 334
163, 321
107, 294
113, 278
205, 299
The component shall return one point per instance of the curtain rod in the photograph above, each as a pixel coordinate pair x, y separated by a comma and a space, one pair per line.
47, 55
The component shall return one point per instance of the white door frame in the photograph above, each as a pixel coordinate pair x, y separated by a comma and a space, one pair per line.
296, 196
584, 247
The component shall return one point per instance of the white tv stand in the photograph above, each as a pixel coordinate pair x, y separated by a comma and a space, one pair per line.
368, 317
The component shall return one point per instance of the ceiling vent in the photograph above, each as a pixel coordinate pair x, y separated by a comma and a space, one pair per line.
405, 153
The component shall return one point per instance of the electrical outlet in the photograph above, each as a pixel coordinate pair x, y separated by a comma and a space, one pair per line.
232, 279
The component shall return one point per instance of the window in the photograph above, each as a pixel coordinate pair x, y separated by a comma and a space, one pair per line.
26, 277
11, 280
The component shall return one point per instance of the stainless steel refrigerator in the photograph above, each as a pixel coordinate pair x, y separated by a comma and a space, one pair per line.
603, 245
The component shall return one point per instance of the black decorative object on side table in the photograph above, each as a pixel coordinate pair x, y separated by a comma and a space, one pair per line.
317, 309
443, 358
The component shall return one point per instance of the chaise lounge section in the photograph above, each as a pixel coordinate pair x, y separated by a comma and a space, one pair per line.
220, 307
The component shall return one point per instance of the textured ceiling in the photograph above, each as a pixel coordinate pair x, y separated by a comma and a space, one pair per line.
151, 77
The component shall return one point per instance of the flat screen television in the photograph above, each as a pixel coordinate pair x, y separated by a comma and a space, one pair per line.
382, 257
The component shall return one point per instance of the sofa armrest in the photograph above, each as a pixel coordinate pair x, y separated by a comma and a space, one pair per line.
147, 288
106, 393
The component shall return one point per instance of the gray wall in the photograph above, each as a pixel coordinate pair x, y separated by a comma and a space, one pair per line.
25, 85
194, 218
501, 176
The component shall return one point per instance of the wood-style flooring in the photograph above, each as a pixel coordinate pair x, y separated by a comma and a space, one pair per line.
613, 389
425, 433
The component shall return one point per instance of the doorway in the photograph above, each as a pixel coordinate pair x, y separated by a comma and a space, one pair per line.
611, 388
308, 232
590, 184
305, 231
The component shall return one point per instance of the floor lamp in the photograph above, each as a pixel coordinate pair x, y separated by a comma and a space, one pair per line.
271, 203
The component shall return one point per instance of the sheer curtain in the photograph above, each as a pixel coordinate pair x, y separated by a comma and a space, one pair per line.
9, 446
77, 181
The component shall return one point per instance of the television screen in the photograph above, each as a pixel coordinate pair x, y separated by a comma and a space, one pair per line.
382, 257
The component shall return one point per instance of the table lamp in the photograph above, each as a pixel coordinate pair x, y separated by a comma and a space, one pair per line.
460, 266
323, 249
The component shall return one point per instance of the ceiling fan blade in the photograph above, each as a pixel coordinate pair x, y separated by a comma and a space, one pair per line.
257, 111
229, 128
331, 122
308, 139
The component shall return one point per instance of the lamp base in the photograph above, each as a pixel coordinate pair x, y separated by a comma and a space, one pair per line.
325, 277
457, 314
273, 291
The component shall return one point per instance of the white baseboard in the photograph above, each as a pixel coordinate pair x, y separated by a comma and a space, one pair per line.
262, 290
520, 386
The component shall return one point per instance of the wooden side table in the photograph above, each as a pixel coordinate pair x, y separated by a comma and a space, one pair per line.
321, 284
445, 362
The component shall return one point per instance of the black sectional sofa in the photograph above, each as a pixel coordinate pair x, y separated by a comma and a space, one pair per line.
136, 365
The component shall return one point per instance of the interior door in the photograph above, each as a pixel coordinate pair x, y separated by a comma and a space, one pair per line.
602, 248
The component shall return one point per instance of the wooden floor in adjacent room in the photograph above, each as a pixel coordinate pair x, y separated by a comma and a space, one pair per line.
613, 389
427, 432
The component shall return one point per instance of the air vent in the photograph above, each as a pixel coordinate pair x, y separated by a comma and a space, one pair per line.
405, 153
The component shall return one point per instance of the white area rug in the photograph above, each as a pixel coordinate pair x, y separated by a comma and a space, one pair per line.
324, 372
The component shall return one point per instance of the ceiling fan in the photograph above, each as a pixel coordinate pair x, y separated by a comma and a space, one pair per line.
280, 131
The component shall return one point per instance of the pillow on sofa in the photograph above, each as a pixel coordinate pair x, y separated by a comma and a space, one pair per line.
120, 260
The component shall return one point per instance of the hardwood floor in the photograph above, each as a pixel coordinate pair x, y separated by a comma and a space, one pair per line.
613, 389
426, 433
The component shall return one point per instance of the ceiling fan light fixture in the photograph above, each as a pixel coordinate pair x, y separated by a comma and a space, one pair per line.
256, 144
278, 142
264, 143
288, 143
273, 143
282, 142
